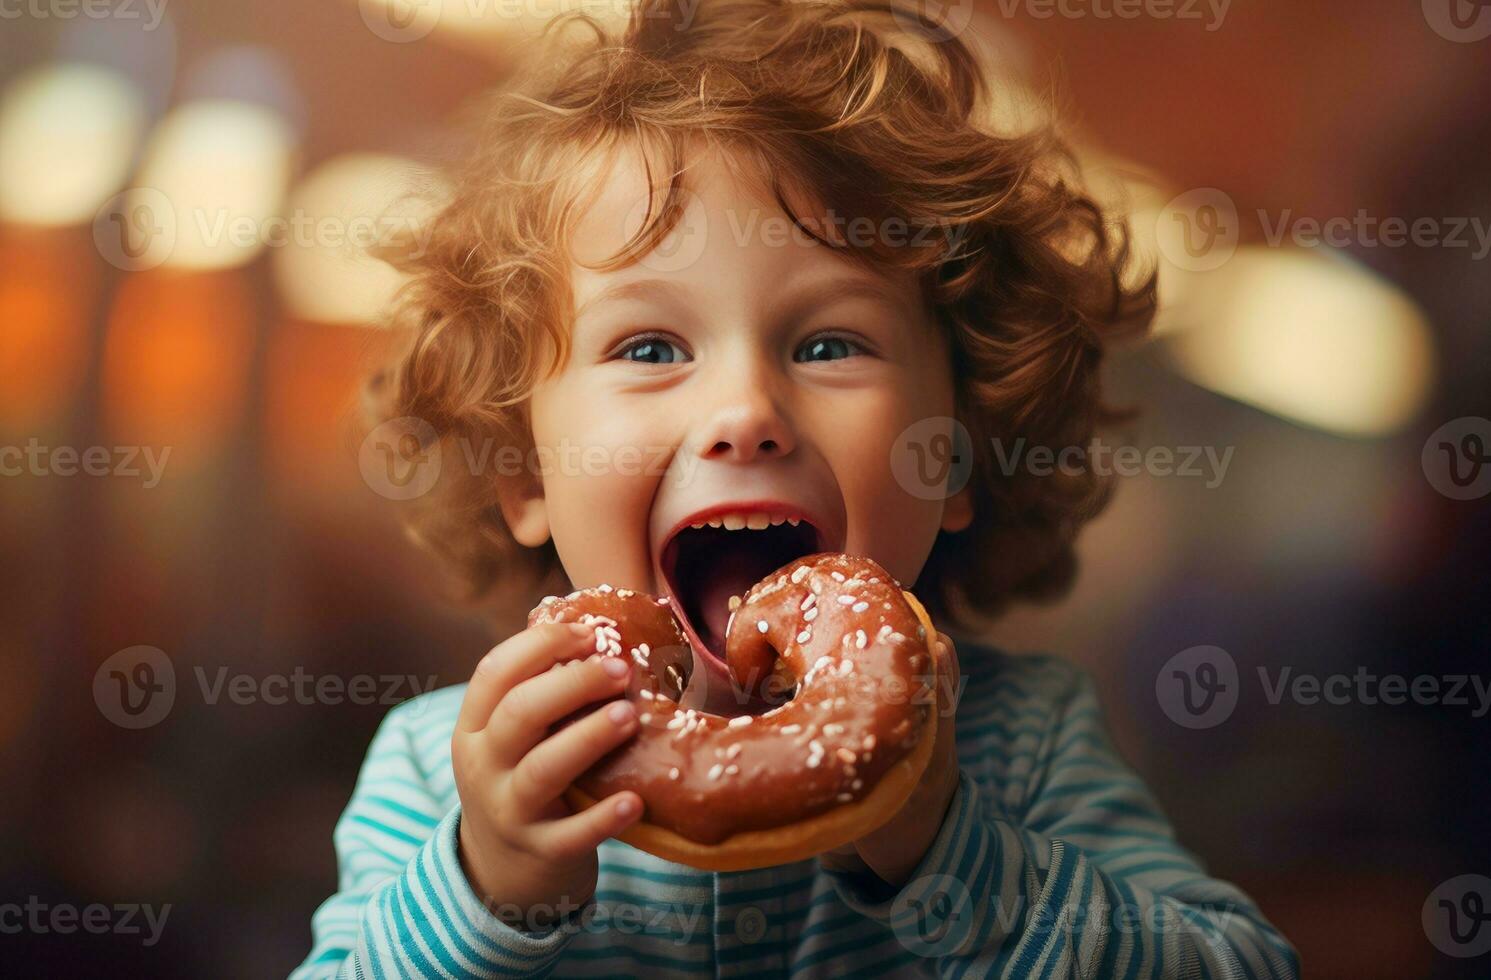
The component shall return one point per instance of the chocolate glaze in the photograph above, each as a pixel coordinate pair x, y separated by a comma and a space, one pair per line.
862, 673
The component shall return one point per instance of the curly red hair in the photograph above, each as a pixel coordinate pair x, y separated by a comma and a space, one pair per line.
837, 98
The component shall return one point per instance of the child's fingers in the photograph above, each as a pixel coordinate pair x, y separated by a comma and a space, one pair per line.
513, 660
524, 715
572, 836
555, 762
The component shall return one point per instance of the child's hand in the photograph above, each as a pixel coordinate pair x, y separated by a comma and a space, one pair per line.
520, 845
894, 851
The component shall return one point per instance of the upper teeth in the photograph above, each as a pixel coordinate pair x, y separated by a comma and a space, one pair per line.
753, 521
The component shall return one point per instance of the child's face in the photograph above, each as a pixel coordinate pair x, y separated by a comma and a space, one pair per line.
774, 375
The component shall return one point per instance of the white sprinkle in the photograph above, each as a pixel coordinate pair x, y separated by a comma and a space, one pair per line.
600, 642
761, 626
644, 717
853, 583
860, 606
733, 750
833, 729
813, 761
741, 722
798, 573
845, 755
676, 721
816, 746
625, 593
673, 773
715, 770
810, 615
791, 729
809, 601
731, 769
804, 636
549, 600
846, 667
875, 580
869, 742
645, 694
662, 600
845, 600
603, 587
734, 603
837, 576
860, 639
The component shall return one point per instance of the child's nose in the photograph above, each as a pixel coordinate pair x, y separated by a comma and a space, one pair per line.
745, 424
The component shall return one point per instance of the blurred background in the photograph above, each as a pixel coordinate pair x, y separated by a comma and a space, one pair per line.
185, 316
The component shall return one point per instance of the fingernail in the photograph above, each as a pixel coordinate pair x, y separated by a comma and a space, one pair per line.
614, 666
620, 712
625, 807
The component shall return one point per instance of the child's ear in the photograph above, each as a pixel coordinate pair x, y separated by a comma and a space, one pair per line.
521, 498
957, 512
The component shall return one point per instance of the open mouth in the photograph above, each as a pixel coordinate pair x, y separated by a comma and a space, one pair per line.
705, 566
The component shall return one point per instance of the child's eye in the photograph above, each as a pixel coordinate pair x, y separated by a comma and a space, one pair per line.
652, 350
827, 349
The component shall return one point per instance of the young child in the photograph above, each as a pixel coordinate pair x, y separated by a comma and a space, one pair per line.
743, 260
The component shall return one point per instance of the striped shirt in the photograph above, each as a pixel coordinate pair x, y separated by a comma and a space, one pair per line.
1054, 860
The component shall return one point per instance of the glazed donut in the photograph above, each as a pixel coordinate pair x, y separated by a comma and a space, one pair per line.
777, 781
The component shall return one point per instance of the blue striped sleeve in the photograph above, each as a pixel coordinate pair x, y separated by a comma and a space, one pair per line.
1076, 875
403, 907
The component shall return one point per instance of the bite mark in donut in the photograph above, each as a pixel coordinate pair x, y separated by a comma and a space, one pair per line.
762, 787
